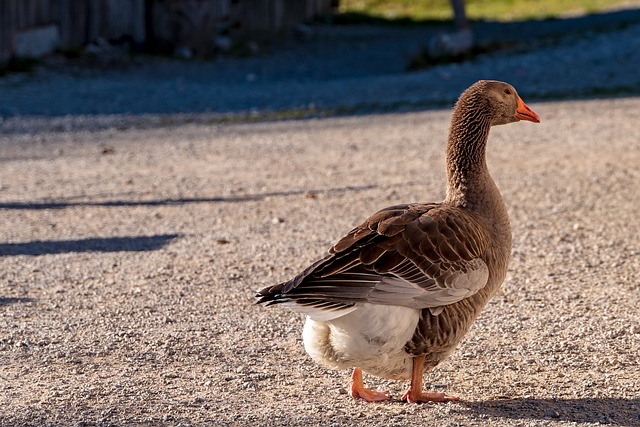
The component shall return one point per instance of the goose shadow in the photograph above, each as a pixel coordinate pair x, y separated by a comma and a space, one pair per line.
607, 411
94, 244
69, 202
14, 300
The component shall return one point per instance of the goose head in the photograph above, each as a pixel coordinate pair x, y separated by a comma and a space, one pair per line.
501, 102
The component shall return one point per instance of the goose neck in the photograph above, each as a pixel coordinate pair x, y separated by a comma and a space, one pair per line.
467, 173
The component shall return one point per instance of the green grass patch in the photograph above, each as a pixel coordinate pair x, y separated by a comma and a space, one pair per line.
500, 10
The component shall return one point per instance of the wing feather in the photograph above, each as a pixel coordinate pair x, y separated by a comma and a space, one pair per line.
417, 255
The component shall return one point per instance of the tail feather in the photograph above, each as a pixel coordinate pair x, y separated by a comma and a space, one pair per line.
271, 295
316, 305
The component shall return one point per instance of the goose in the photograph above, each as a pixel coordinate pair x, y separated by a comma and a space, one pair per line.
396, 295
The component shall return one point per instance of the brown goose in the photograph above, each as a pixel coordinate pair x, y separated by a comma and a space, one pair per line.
396, 295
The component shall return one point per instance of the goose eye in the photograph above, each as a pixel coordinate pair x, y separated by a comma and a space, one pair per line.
507, 91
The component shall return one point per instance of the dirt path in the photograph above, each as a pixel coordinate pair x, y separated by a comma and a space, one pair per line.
128, 260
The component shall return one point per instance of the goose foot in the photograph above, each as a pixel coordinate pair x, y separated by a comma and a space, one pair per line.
358, 390
415, 393
412, 396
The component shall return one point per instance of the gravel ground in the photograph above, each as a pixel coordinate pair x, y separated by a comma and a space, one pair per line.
130, 257
132, 244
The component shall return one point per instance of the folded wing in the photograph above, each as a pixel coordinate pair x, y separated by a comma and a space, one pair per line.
417, 255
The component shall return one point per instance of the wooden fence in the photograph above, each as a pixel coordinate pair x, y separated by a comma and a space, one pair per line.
35, 25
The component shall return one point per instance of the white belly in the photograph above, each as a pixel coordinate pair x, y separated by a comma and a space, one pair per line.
372, 338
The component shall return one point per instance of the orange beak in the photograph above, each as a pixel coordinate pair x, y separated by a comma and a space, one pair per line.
525, 113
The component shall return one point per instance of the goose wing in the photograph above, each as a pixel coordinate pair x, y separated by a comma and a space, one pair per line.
416, 255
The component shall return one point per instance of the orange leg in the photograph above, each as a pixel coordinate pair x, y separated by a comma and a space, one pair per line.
359, 391
415, 393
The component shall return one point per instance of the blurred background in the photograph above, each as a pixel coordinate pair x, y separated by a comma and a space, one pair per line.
215, 59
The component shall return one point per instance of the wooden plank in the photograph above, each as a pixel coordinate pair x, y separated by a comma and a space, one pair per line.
138, 23
20, 20
63, 19
92, 18
31, 13
73, 23
6, 29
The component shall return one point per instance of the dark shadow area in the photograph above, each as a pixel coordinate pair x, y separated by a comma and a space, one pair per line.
496, 36
177, 201
595, 411
333, 69
607, 411
11, 300
96, 244
358, 18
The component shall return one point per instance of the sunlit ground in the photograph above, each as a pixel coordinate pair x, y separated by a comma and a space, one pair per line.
503, 10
